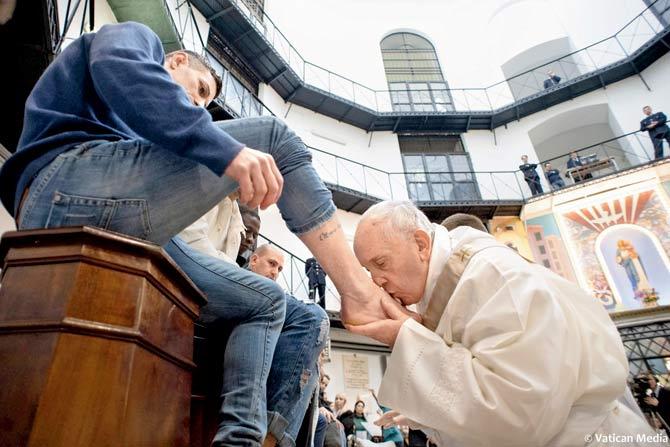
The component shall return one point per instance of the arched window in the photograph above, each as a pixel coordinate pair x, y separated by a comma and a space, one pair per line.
414, 75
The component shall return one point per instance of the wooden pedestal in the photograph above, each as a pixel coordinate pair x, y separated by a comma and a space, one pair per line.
96, 341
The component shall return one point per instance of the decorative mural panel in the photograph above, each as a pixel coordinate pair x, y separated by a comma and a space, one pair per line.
623, 247
511, 232
547, 246
618, 246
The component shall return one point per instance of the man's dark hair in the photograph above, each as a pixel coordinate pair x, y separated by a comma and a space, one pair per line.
463, 220
201, 63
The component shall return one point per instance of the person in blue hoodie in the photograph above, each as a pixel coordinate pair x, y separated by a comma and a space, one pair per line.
116, 136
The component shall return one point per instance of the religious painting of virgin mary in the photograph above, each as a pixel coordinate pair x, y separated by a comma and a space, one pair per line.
627, 257
620, 246
635, 264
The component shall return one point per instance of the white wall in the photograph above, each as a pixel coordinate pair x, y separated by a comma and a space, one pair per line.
513, 33
576, 138
503, 153
320, 131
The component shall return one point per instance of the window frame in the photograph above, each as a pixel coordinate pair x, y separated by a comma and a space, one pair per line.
414, 65
451, 177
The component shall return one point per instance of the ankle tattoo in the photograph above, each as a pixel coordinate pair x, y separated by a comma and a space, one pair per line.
326, 234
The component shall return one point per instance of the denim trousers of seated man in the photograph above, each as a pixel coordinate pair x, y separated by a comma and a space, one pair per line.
234, 293
140, 189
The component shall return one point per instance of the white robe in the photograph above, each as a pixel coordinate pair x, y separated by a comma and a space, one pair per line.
520, 357
217, 233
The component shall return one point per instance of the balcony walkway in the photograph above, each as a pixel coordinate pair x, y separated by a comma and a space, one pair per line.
626, 53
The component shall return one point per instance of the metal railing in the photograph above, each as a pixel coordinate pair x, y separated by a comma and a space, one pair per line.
631, 149
440, 186
622, 152
234, 98
293, 278
609, 156
612, 50
69, 23
77, 18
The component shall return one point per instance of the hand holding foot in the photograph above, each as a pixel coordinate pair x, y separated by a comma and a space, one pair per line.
364, 308
386, 330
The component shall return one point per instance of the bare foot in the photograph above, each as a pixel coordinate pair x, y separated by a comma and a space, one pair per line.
364, 307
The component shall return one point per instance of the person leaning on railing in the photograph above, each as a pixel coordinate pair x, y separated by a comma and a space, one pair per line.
530, 175
658, 130
553, 176
552, 80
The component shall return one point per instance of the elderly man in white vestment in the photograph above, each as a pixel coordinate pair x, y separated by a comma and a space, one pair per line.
508, 353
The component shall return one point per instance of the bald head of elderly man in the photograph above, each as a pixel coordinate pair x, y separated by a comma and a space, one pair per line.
501, 339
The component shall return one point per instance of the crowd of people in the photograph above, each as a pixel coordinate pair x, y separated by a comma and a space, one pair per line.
340, 425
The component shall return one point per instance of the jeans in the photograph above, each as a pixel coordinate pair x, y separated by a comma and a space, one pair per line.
294, 373
137, 188
320, 433
255, 306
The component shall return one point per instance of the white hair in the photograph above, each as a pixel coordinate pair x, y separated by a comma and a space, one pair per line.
397, 217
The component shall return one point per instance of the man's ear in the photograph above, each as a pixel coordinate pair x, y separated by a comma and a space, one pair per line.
177, 59
424, 243
253, 260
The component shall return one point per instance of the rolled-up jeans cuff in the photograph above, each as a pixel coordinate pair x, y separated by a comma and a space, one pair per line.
316, 222
277, 426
